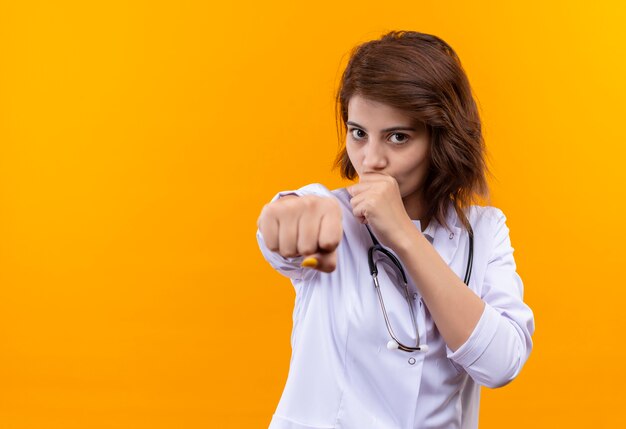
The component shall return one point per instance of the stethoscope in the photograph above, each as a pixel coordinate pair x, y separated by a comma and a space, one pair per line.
395, 342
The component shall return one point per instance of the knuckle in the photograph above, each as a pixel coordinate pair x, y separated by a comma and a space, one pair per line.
328, 244
330, 267
329, 202
287, 204
309, 201
333, 207
307, 248
288, 253
270, 211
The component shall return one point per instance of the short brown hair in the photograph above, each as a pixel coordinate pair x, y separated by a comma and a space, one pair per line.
422, 75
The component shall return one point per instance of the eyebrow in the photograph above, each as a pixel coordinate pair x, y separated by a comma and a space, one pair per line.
386, 130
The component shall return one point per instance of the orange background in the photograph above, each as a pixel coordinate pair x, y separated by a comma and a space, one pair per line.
139, 141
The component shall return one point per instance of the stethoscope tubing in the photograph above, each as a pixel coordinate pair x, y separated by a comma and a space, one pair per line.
377, 247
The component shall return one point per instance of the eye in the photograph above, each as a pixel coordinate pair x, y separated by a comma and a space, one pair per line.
357, 133
399, 138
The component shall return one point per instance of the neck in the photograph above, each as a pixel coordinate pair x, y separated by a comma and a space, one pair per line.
416, 209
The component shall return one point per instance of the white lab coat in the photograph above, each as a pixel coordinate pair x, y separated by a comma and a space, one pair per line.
341, 373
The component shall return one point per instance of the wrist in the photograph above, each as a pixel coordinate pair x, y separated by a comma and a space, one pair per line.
407, 238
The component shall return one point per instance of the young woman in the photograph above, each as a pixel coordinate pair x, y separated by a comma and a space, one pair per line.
407, 295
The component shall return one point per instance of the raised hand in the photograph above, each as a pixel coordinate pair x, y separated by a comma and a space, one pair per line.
307, 226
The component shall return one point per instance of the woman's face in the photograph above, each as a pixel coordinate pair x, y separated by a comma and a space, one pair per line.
384, 139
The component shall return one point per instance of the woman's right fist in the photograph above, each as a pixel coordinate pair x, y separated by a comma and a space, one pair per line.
307, 226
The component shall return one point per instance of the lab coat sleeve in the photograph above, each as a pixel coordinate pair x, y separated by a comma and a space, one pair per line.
290, 267
500, 344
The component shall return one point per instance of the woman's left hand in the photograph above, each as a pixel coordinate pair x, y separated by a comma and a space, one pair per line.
376, 201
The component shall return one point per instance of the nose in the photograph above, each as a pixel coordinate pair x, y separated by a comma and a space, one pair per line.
375, 157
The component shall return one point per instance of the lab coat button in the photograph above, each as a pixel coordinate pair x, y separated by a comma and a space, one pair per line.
415, 295
451, 235
412, 361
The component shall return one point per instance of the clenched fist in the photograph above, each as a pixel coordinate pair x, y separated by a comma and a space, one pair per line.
307, 226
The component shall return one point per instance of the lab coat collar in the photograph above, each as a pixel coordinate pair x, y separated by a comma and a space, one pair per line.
447, 241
